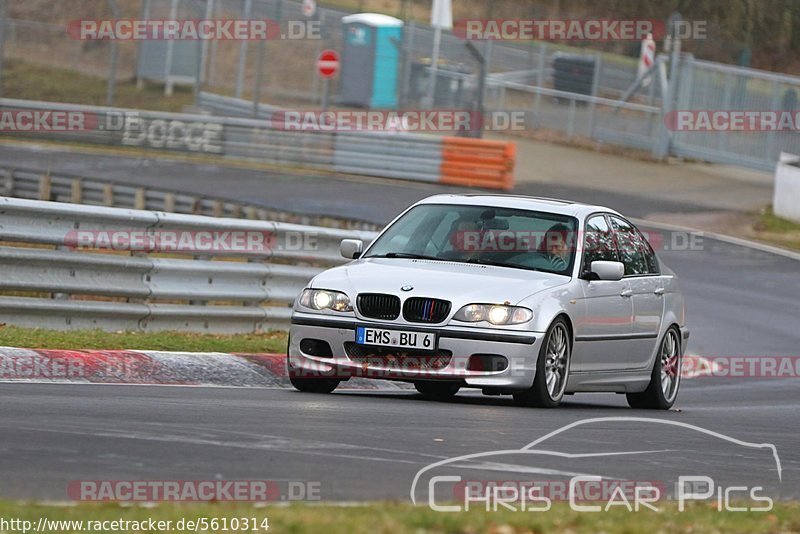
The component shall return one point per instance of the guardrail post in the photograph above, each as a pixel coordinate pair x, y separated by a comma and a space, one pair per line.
571, 119
169, 202
771, 155
139, 199
540, 71
598, 63
108, 195
8, 182
218, 209
76, 191
45, 184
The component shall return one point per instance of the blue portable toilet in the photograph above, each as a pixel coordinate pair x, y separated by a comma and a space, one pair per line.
370, 60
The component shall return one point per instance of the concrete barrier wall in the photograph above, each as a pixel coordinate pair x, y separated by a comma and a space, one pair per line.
786, 200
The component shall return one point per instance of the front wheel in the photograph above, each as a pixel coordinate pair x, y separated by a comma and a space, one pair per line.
440, 391
665, 378
310, 384
314, 385
552, 369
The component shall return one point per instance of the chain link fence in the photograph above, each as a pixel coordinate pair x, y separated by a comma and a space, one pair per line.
576, 91
704, 85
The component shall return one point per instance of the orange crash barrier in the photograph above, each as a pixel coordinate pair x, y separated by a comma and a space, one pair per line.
477, 163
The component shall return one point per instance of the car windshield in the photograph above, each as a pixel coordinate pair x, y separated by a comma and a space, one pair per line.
505, 237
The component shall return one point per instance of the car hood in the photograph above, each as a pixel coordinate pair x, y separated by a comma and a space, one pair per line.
458, 282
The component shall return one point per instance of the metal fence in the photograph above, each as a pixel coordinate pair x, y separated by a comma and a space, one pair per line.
50, 280
704, 85
521, 76
287, 68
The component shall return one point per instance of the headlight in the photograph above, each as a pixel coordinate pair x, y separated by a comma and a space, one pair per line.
494, 313
322, 299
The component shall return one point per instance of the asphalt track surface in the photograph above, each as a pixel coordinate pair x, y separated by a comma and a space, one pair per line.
370, 445
373, 200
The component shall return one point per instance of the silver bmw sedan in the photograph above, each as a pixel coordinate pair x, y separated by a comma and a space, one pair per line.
531, 297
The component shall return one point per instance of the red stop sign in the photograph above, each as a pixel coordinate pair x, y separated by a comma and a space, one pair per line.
328, 63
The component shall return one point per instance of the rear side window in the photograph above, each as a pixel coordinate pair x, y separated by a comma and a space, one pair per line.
634, 250
598, 243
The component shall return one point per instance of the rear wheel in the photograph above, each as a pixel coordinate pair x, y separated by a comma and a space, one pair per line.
552, 369
665, 378
440, 391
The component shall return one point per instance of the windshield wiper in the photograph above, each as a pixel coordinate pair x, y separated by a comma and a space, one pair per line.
493, 263
407, 255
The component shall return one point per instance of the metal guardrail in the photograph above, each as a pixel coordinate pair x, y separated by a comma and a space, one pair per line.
413, 157
35, 184
225, 291
407, 155
397, 154
242, 138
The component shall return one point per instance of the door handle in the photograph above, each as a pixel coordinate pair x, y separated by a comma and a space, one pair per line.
658, 291
626, 293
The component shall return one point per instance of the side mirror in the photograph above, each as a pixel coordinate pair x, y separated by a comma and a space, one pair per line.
351, 248
608, 270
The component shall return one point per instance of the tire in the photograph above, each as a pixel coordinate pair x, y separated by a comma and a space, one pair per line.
439, 391
552, 369
310, 385
665, 379
314, 385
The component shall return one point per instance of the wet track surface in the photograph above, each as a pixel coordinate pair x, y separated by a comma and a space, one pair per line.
362, 446
368, 199
369, 445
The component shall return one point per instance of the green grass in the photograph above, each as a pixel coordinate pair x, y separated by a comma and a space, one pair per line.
396, 518
32, 81
770, 222
33, 338
777, 230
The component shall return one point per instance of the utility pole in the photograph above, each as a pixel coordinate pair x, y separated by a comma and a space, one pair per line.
476, 130
112, 71
3, 13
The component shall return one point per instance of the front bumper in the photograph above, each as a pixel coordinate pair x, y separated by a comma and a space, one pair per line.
519, 348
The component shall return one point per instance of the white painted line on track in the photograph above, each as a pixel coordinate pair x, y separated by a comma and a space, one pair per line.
763, 247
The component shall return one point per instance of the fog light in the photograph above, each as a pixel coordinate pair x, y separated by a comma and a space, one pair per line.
487, 363
316, 347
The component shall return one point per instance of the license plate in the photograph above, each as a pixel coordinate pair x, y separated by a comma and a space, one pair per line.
405, 339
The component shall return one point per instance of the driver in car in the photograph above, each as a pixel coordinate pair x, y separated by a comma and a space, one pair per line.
555, 246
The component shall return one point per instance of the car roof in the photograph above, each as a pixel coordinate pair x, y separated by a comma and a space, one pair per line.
547, 205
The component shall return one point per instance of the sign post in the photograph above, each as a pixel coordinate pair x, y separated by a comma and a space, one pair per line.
327, 67
647, 57
441, 18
